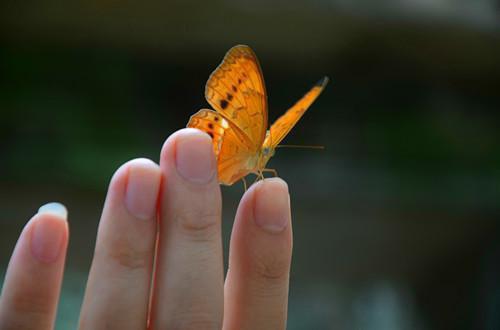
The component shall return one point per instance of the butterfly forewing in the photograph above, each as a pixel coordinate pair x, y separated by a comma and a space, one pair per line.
236, 89
283, 125
230, 144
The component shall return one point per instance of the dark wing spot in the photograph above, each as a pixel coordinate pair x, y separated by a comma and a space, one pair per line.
210, 125
216, 118
223, 104
239, 81
229, 96
234, 88
211, 134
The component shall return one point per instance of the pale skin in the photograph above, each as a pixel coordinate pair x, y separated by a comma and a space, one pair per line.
178, 201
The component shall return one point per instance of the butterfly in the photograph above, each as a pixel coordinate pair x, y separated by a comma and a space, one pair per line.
238, 126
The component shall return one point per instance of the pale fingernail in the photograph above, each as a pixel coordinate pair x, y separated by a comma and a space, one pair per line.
54, 208
194, 159
48, 233
143, 185
272, 205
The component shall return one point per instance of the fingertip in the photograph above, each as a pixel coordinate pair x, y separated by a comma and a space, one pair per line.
194, 156
120, 178
142, 188
54, 208
277, 184
189, 151
49, 232
168, 148
272, 205
142, 162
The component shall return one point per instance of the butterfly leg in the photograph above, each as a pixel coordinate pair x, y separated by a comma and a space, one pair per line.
271, 170
258, 176
261, 175
244, 183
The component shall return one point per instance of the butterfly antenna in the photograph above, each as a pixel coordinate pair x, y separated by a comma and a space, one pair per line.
299, 146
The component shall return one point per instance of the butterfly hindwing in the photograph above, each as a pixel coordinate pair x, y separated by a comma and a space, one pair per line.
236, 89
284, 124
230, 145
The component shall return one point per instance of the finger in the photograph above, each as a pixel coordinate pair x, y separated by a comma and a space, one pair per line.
118, 287
33, 280
256, 289
188, 290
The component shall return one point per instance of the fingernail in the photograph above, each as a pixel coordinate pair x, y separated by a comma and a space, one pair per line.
143, 185
272, 205
48, 233
54, 208
194, 156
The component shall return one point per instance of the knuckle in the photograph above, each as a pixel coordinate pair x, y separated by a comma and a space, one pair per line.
271, 267
198, 226
31, 305
123, 254
130, 259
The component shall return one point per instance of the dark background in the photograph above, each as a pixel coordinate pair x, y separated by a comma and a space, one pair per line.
396, 223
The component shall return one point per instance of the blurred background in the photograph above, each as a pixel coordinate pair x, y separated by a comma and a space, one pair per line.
396, 223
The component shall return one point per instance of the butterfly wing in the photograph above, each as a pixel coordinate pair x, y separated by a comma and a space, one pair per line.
230, 145
283, 125
236, 90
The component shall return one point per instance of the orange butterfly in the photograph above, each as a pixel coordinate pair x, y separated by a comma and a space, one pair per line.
238, 127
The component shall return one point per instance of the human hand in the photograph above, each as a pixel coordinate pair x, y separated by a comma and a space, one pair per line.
179, 203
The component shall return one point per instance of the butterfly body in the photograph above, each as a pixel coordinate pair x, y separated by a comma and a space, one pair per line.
258, 162
238, 128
